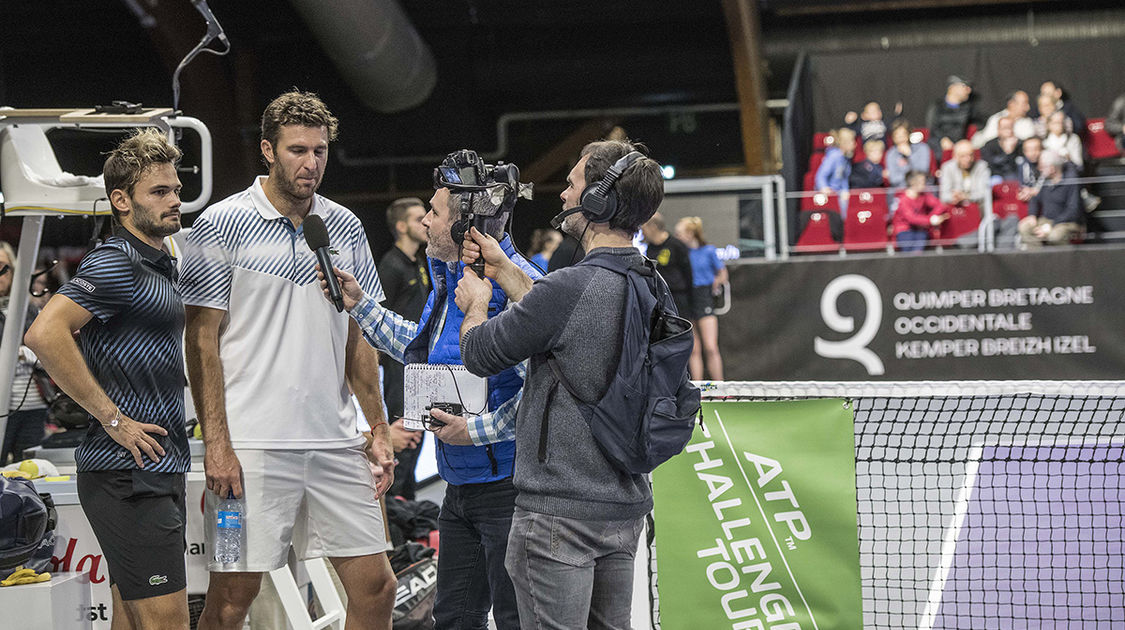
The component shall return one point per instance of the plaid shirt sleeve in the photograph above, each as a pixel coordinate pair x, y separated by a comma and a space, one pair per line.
383, 328
498, 425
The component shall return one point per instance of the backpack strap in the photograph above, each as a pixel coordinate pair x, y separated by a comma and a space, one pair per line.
544, 424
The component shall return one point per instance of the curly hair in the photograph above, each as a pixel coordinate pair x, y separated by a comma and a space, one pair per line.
297, 108
142, 150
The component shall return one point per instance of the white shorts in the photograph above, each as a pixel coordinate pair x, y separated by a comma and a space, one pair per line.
322, 502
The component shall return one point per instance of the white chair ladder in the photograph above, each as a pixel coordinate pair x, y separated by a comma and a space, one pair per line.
323, 589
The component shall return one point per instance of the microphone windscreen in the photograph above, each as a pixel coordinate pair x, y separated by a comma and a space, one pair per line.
316, 235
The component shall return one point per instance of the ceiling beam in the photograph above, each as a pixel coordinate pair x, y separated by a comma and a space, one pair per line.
745, 34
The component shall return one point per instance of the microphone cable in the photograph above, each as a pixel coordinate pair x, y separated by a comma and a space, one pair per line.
214, 31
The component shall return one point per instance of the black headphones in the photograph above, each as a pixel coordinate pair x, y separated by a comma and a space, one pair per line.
599, 199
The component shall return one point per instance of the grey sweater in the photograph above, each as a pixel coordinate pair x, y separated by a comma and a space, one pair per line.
576, 314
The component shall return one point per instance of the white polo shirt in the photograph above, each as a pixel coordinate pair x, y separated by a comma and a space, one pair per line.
282, 344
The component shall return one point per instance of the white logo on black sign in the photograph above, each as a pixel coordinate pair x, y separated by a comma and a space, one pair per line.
83, 284
854, 347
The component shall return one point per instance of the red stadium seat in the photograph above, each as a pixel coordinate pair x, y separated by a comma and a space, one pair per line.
821, 201
1099, 144
859, 154
809, 181
821, 141
1006, 202
865, 227
817, 235
972, 129
962, 220
925, 134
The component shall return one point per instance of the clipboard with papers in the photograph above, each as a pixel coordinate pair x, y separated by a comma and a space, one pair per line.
450, 387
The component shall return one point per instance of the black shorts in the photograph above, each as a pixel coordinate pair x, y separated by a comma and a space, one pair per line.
702, 302
139, 519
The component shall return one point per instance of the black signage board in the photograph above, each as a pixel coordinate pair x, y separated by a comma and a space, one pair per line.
1054, 314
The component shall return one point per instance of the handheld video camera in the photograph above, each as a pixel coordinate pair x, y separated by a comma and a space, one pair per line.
465, 173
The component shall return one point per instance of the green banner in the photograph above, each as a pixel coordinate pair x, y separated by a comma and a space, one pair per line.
756, 520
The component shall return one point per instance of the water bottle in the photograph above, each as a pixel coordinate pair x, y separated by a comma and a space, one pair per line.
228, 532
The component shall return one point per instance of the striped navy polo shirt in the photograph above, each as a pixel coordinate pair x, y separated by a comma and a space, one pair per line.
133, 347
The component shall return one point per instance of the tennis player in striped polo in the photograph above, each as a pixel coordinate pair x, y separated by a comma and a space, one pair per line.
126, 370
273, 368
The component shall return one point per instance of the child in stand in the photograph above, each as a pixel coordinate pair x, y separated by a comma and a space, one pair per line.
832, 176
919, 213
869, 172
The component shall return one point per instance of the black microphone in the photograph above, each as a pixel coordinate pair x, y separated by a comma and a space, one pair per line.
213, 27
316, 235
558, 220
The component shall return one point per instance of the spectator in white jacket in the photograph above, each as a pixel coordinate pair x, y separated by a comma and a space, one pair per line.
1017, 108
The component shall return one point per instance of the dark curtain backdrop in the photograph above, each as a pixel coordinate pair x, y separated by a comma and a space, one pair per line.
1092, 72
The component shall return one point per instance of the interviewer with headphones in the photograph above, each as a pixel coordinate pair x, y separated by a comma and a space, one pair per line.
578, 517
475, 454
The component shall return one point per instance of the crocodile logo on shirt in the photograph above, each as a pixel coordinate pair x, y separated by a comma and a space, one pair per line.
157, 580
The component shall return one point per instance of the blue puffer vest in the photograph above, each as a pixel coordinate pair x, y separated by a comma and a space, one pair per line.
460, 465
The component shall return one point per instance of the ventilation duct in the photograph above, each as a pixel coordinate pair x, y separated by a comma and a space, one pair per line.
375, 48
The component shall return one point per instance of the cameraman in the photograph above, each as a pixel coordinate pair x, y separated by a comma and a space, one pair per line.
578, 517
475, 455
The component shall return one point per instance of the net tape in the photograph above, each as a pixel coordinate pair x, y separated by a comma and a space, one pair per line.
981, 504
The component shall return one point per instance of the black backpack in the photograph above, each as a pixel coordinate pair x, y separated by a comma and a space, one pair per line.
649, 411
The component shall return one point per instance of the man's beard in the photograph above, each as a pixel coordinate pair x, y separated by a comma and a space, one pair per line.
573, 227
442, 248
287, 183
148, 222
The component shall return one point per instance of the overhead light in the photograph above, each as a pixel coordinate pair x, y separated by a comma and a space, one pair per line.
668, 171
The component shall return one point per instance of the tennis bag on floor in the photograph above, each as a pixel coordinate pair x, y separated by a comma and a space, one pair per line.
27, 527
416, 570
649, 411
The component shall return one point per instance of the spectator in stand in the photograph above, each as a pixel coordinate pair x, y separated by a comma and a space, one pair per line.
1028, 165
708, 276
919, 213
905, 156
1017, 109
544, 242
868, 125
1002, 152
869, 172
834, 171
1055, 90
1115, 121
950, 116
1062, 141
1046, 105
964, 179
1055, 215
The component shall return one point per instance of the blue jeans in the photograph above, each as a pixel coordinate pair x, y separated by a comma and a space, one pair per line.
473, 525
912, 240
572, 573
